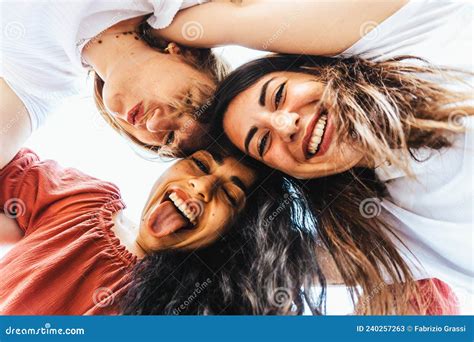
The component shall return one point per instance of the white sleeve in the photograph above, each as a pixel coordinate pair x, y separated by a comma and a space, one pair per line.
165, 11
420, 28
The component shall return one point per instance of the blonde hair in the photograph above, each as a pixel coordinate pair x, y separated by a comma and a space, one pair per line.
204, 60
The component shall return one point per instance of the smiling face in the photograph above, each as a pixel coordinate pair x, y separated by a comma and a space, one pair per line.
279, 120
194, 201
142, 97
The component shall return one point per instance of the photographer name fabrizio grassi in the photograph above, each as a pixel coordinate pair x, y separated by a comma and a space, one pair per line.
439, 328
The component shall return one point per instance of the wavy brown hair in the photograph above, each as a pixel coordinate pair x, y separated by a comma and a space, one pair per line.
388, 110
204, 60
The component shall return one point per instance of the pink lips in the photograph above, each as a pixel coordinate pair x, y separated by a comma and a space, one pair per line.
135, 114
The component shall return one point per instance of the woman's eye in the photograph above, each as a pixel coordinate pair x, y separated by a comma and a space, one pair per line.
203, 167
231, 199
263, 144
170, 138
279, 94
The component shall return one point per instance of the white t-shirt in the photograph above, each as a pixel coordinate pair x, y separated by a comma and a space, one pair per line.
434, 213
42, 43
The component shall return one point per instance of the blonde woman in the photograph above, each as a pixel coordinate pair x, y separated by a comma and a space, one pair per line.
149, 89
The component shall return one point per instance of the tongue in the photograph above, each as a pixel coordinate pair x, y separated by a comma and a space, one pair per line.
166, 219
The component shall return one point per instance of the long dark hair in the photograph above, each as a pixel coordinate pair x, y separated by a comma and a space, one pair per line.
378, 106
265, 263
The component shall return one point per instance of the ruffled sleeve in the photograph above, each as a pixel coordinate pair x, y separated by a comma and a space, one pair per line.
35, 192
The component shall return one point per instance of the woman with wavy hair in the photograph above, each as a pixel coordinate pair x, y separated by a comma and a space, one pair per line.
216, 236
379, 142
383, 150
148, 89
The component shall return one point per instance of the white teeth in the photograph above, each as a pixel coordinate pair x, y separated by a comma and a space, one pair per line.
318, 133
183, 207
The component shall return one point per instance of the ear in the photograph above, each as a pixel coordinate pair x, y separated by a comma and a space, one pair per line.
173, 49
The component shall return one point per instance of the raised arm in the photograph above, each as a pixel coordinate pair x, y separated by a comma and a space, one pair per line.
15, 126
300, 27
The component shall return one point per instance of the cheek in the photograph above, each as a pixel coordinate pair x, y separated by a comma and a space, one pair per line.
112, 98
218, 219
306, 92
281, 158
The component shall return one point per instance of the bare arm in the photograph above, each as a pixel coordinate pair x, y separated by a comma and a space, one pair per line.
10, 232
301, 27
15, 126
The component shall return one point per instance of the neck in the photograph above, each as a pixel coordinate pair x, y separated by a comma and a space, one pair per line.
127, 232
122, 40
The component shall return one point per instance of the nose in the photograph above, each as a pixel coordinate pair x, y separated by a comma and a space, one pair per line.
285, 124
203, 187
159, 121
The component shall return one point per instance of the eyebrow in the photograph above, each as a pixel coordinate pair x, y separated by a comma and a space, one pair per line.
239, 183
249, 137
217, 158
263, 92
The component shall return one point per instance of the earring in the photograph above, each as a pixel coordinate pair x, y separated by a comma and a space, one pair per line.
169, 47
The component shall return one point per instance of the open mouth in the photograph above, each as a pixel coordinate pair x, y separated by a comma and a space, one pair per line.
135, 114
184, 207
176, 212
316, 133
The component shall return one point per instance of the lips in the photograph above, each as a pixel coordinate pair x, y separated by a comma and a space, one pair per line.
135, 114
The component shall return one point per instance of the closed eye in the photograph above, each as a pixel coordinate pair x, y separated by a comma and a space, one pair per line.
279, 95
203, 167
263, 144
170, 138
231, 199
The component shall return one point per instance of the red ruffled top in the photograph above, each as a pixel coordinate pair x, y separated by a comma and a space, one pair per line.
69, 261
